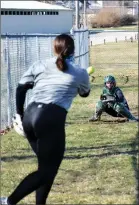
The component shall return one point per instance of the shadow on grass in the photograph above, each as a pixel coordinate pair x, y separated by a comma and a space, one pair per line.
111, 146
80, 152
14, 157
117, 121
73, 153
77, 156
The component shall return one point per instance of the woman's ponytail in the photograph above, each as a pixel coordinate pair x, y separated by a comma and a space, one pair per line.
61, 64
63, 48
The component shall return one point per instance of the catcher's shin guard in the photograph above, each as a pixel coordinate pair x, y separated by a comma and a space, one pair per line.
126, 113
96, 117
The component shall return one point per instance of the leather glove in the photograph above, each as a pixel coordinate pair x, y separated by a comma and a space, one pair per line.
107, 98
17, 124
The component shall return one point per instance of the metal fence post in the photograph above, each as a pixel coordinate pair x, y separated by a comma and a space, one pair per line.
8, 83
25, 64
37, 49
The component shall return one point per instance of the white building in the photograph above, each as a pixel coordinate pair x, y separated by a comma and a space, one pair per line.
34, 17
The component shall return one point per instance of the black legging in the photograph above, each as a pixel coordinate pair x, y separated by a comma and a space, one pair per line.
44, 126
112, 112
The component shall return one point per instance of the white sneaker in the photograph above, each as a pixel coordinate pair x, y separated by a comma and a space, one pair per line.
3, 200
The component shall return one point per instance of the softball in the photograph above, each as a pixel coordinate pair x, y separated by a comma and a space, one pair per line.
90, 70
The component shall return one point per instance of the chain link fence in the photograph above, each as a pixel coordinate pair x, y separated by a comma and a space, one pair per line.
18, 52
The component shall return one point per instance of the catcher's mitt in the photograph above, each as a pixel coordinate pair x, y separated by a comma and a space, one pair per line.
17, 124
107, 98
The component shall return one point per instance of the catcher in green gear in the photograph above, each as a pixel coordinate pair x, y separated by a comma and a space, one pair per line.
112, 101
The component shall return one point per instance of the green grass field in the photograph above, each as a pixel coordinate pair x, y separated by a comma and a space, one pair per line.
100, 164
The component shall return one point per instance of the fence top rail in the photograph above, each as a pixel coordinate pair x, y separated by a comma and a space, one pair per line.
100, 31
38, 34
27, 35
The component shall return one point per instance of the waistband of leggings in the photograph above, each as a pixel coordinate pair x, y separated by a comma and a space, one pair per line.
40, 104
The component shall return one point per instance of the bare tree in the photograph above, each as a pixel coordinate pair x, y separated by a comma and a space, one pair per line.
47, 1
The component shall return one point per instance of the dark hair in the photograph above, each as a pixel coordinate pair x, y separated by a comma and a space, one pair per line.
63, 47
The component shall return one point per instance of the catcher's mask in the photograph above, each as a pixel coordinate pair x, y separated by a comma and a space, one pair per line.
110, 81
